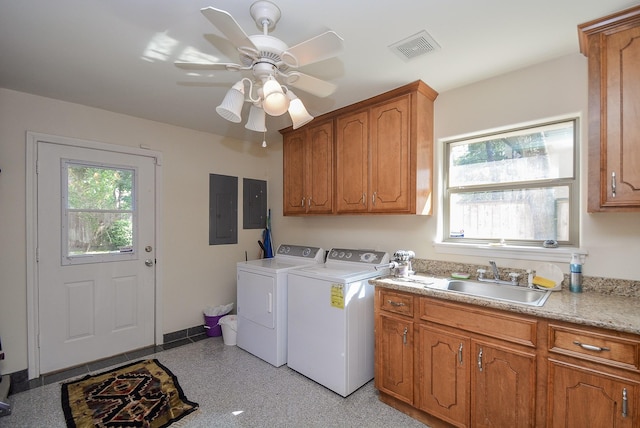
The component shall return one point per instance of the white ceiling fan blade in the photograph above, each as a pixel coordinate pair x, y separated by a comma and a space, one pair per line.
224, 22
324, 46
310, 84
209, 66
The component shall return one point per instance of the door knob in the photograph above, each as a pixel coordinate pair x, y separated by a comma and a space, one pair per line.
148, 262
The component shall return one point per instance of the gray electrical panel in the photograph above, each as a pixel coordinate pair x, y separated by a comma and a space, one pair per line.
223, 209
254, 207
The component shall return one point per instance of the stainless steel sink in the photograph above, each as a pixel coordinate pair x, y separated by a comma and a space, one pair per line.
507, 293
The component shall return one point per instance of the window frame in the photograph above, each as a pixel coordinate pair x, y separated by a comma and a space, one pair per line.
572, 183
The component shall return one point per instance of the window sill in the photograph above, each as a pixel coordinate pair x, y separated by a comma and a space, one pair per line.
560, 254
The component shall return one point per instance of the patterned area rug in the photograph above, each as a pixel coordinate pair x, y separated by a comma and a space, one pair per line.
141, 394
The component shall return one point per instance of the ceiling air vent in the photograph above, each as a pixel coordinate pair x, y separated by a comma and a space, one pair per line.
414, 46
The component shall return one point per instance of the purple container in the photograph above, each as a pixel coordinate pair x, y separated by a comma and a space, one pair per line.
211, 325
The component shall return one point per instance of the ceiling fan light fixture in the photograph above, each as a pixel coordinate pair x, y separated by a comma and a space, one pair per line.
268, 59
275, 102
299, 114
231, 106
256, 121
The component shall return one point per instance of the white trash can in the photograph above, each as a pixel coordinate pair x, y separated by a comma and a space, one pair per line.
229, 324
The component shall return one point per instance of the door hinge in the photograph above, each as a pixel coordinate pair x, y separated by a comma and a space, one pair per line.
37, 255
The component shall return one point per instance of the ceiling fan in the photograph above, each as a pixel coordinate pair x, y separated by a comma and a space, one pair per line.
271, 61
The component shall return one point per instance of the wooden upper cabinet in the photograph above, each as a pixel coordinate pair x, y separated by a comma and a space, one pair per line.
391, 183
383, 161
380, 153
308, 170
373, 168
352, 162
612, 45
319, 180
294, 173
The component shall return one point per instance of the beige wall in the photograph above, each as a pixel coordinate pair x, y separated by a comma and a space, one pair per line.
554, 88
196, 274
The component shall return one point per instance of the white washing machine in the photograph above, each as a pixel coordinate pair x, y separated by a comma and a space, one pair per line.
331, 326
262, 300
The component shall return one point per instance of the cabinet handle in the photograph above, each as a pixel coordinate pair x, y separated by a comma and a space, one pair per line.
591, 347
480, 359
392, 303
373, 198
302, 203
364, 199
404, 336
613, 184
460, 354
309, 202
624, 403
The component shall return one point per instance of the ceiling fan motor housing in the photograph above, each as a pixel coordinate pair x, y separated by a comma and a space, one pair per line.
269, 50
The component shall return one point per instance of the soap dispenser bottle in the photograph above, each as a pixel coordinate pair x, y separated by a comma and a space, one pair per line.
575, 282
530, 276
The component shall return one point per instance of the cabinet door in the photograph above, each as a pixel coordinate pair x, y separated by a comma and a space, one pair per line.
443, 374
394, 357
503, 385
622, 157
581, 398
294, 198
391, 157
319, 169
352, 162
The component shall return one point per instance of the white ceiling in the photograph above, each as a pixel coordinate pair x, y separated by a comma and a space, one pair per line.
118, 54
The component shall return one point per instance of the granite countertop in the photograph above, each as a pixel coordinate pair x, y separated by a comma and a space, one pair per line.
588, 308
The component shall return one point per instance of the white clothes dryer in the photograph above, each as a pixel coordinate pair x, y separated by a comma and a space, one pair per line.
331, 324
262, 300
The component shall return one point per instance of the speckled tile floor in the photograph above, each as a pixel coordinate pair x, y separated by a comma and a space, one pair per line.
234, 389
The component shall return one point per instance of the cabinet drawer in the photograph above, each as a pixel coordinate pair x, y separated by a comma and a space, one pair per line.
398, 303
489, 323
600, 347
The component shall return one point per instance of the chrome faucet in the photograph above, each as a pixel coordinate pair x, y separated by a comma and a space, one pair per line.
496, 274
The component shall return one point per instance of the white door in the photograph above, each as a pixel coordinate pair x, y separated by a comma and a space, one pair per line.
95, 254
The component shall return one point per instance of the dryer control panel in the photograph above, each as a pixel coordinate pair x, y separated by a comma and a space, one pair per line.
300, 251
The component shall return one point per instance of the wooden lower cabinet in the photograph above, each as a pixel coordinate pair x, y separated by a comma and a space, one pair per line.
456, 364
443, 374
394, 342
503, 386
471, 382
584, 398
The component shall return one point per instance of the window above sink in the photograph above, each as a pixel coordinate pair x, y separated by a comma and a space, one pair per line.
515, 187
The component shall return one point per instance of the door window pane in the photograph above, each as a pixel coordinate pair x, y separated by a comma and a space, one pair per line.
98, 212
